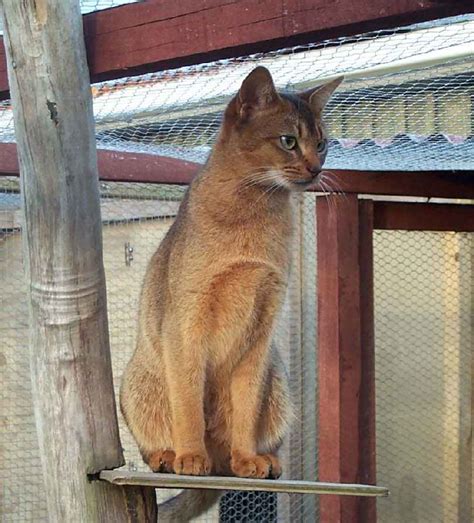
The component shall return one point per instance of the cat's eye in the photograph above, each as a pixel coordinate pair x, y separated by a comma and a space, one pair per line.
322, 146
288, 142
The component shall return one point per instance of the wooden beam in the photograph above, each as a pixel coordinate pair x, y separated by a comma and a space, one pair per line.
367, 428
120, 166
163, 34
175, 481
423, 217
427, 184
151, 168
71, 372
345, 353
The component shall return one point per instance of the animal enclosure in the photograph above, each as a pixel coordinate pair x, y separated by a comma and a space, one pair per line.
406, 106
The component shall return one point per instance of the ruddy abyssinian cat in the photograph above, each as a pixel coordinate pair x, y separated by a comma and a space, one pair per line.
205, 391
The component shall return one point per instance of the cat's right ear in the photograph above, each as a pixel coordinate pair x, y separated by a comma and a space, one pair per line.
256, 93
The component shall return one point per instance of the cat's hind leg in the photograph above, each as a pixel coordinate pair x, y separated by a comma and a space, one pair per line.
275, 414
145, 408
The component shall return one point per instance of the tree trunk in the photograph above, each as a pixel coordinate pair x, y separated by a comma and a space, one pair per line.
70, 360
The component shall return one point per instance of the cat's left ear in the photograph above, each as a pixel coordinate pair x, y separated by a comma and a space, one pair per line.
319, 96
257, 92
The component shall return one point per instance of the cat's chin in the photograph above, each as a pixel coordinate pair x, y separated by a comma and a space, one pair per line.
301, 186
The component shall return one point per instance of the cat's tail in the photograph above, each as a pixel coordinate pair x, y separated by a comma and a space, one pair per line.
187, 505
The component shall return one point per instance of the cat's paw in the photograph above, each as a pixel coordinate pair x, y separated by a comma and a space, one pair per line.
255, 466
192, 464
161, 460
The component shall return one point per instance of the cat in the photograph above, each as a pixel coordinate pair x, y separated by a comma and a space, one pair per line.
206, 391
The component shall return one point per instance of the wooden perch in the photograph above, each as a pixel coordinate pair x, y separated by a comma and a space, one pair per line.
151, 479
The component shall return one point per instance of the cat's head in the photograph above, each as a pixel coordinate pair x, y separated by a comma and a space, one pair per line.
279, 137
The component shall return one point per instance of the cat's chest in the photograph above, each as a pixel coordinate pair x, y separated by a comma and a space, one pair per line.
271, 241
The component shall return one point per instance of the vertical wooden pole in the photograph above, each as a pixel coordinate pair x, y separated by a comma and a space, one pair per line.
70, 359
367, 427
345, 349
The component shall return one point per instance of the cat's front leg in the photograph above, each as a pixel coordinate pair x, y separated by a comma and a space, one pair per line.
247, 389
185, 368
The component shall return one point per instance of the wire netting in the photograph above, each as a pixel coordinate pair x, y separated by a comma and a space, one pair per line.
89, 6
136, 218
406, 103
424, 323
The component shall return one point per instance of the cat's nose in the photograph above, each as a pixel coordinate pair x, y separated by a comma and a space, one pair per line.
314, 170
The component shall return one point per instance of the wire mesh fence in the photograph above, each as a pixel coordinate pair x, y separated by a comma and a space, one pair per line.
424, 310
424, 337
136, 218
89, 6
406, 103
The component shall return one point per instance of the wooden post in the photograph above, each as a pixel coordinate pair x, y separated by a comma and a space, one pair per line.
346, 353
70, 360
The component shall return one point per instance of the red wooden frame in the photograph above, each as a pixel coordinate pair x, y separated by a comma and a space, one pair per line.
164, 34
346, 352
424, 217
150, 168
367, 509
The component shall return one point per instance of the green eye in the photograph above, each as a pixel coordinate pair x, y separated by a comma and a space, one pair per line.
322, 146
288, 142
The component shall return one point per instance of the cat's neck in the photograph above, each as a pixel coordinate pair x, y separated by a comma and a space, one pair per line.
226, 188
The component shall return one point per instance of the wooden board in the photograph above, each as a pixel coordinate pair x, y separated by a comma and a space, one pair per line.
429, 184
160, 34
150, 168
423, 217
345, 352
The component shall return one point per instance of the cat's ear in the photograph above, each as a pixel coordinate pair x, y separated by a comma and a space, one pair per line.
319, 96
257, 92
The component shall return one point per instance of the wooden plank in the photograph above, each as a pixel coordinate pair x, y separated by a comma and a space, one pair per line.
423, 217
147, 168
162, 34
151, 168
71, 374
9, 165
345, 403
429, 184
120, 166
367, 428
151, 479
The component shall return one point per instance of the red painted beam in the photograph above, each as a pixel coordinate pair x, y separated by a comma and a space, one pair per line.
162, 34
423, 217
429, 184
367, 428
120, 166
150, 168
9, 160
345, 354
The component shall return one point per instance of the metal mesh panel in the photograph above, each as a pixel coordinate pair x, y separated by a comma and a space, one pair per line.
88, 6
424, 338
406, 103
22, 491
136, 218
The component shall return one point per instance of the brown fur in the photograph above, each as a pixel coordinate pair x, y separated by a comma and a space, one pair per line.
205, 391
